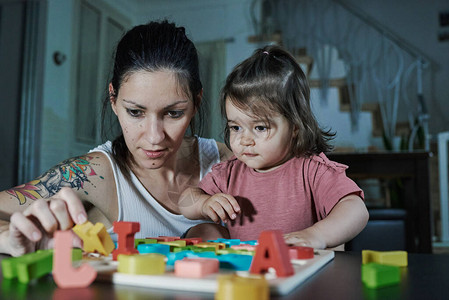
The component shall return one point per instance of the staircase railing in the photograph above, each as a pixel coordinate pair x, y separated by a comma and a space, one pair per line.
443, 139
380, 67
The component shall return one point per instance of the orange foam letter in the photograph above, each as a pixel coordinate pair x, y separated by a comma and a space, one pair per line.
272, 252
64, 274
125, 232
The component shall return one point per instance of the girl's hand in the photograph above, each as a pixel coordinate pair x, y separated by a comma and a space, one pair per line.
33, 229
348, 217
307, 238
220, 207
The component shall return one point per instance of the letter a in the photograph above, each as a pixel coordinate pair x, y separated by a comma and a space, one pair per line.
272, 252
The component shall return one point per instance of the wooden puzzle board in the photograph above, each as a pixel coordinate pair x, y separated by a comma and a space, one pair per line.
209, 284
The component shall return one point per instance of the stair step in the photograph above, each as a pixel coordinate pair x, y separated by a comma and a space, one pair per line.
402, 128
336, 82
272, 38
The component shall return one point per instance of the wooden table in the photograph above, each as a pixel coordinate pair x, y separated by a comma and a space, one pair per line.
413, 169
426, 277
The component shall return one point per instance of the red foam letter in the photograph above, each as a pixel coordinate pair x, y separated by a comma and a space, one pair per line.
272, 252
125, 232
64, 274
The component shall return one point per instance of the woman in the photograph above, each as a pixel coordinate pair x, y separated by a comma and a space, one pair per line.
155, 92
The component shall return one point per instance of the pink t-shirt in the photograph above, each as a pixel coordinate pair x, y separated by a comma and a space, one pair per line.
290, 198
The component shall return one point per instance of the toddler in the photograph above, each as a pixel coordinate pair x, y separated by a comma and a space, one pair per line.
279, 177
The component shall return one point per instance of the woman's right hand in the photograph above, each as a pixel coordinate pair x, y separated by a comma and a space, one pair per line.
33, 228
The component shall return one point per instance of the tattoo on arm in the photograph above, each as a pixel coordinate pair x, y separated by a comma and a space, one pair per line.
73, 173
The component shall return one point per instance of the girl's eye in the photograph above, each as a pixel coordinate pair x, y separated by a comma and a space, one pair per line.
234, 128
134, 112
261, 128
175, 114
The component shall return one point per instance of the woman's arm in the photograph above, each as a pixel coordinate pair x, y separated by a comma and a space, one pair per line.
348, 217
88, 176
33, 228
54, 201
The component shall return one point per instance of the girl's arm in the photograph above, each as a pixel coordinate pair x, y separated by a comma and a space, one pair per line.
195, 204
347, 219
191, 202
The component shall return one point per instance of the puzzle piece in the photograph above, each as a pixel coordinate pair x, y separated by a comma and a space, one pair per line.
64, 274
125, 232
251, 242
192, 241
194, 248
299, 252
95, 238
144, 264
32, 265
186, 248
235, 251
216, 246
376, 275
172, 257
235, 262
244, 247
206, 254
196, 267
165, 238
272, 252
228, 242
254, 287
173, 244
153, 248
144, 241
391, 258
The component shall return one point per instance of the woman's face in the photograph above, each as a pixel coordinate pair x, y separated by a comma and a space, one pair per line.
154, 114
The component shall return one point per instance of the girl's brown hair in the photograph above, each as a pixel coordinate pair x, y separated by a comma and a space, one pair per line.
272, 81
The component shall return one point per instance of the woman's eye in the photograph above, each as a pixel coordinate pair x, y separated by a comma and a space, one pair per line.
261, 128
175, 114
134, 112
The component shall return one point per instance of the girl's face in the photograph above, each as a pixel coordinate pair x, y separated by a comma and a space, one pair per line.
260, 146
154, 114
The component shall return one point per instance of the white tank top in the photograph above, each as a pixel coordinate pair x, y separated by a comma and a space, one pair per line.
135, 203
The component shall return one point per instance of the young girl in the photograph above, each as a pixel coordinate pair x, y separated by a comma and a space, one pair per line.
279, 177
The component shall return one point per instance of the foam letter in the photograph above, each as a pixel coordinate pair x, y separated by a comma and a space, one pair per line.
125, 232
196, 267
95, 238
64, 274
272, 252
254, 287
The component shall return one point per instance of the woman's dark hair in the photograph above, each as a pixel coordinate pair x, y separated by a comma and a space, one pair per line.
152, 47
272, 81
